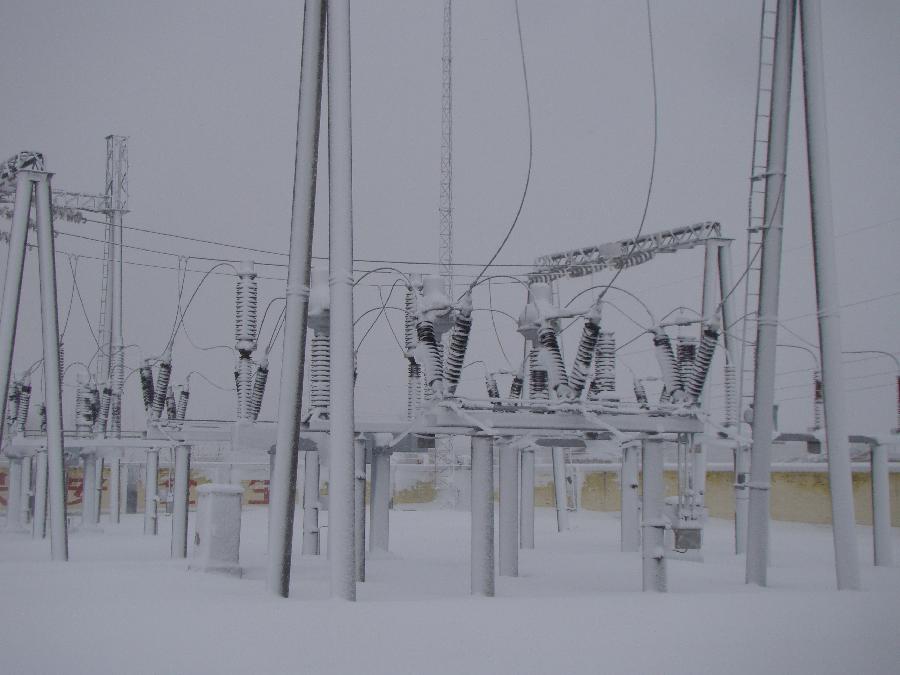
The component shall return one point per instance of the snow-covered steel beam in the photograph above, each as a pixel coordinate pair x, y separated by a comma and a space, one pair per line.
581, 262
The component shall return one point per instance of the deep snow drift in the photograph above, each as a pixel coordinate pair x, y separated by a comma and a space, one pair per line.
121, 606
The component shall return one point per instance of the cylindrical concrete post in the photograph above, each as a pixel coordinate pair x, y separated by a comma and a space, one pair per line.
630, 537
881, 507
151, 498
526, 500
309, 545
380, 501
181, 500
359, 507
89, 490
26, 490
482, 507
39, 522
653, 525
559, 489
509, 510
115, 489
14, 495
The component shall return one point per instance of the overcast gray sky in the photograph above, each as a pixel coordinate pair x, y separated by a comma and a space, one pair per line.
207, 93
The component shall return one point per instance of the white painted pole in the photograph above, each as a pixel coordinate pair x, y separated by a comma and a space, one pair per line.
26, 490
559, 489
14, 495
88, 489
767, 324
509, 510
39, 522
359, 504
881, 507
482, 507
151, 496
115, 489
653, 526
380, 501
283, 483
181, 501
309, 545
340, 237
526, 500
12, 288
840, 479
59, 541
630, 534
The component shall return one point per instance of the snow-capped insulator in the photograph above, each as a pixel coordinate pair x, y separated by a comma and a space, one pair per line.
640, 394
459, 340
84, 419
583, 358
161, 386
243, 383
558, 378
666, 359
105, 404
95, 399
413, 389
490, 383
42, 417
12, 404
429, 354
685, 353
604, 365
245, 308
537, 378
319, 308
171, 406
515, 387
146, 374
818, 402
62, 360
409, 321
320, 374
731, 400
184, 396
632, 259
702, 362
115, 415
24, 403
259, 388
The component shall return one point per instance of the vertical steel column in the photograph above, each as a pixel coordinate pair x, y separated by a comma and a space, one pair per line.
767, 324
380, 500
115, 489
89, 503
26, 490
283, 485
309, 545
559, 489
181, 501
151, 501
653, 526
630, 533
39, 521
881, 506
359, 507
59, 541
340, 255
12, 288
526, 500
14, 495
482, 506
840, 479
509, 510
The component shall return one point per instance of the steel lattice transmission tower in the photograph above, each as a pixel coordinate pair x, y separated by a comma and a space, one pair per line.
445, 207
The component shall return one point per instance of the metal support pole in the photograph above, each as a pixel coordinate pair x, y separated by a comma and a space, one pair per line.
181, 501
12, 288
14, 495
509, 510
653, 526
526, 500
26, 490
559, 489
283, 484
359, 507
151, 496
630, 534
840, 479
115, 489
89, 503
380, 501
881, 507
59, 542
767, 324
482, 505
309, 545
39, 522
340, 253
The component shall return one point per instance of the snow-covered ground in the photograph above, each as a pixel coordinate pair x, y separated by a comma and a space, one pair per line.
121, 606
